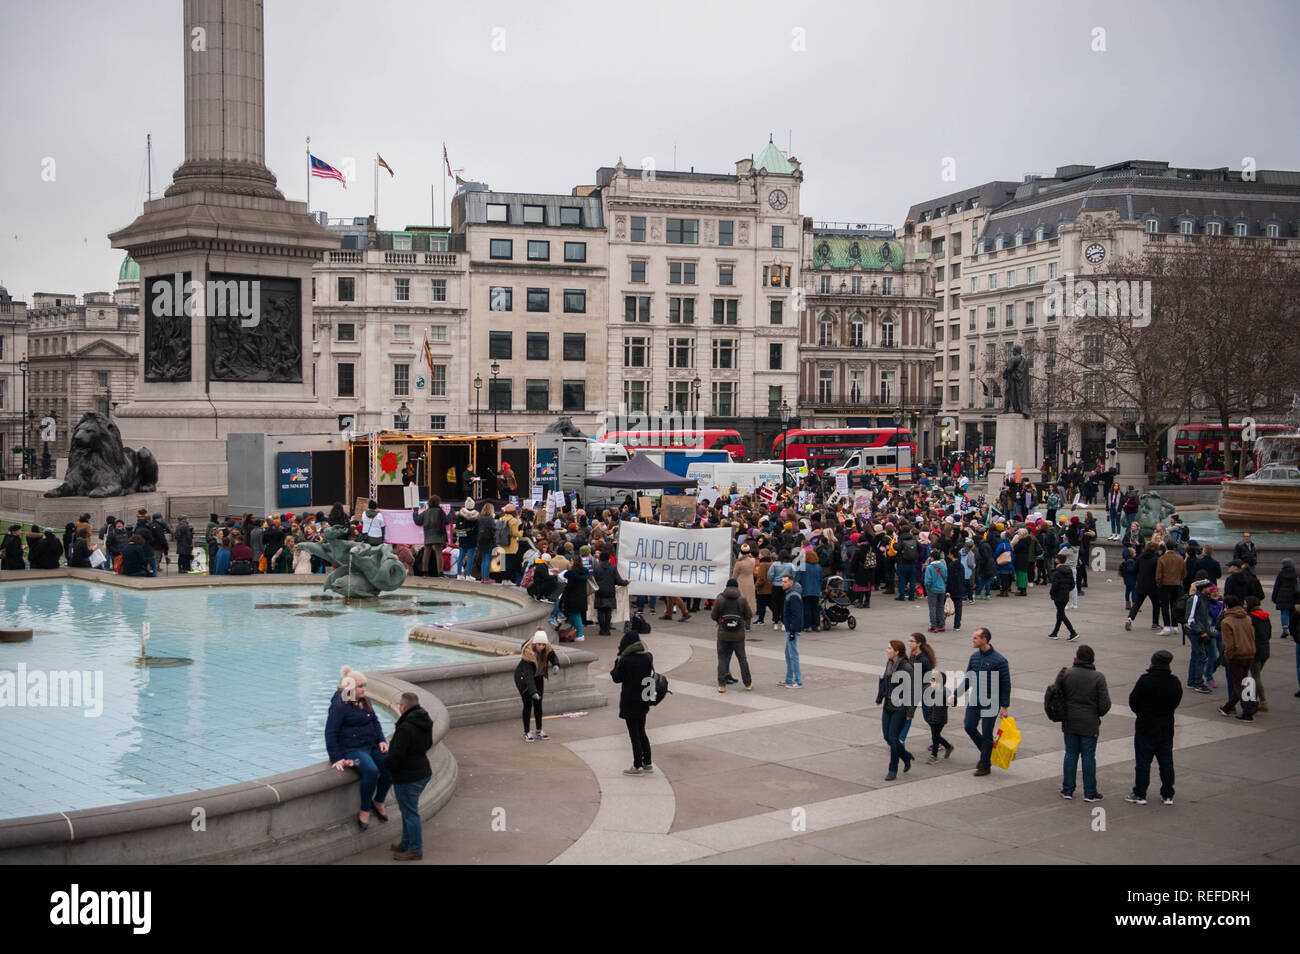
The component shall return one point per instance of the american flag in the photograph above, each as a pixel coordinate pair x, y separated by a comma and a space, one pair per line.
324, 170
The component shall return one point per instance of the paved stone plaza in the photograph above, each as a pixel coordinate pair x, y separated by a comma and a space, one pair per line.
731, 769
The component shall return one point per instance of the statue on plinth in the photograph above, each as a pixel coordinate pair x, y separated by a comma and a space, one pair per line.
1016, 374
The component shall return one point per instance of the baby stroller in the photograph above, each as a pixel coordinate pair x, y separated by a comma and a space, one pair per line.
836, 603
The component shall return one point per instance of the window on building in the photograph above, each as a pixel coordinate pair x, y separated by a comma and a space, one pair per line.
971, 325
726, 233
575, 301
637, 272
575, 346
438, 381
724, 353
681, 311
681, 352
313, 289
778, 236
1029, 313
938, 332
826, 284
776, 276
1185, 226
1271, 230
991, 317
954, 331
727, 274
938, 273
570, 215
1213, 228
774, 399
679, 396
726, 311
575, 395
634, 394
1239, 229
347, 331
636, 307
887, 331
825, 385
683, 232
437, 332
539, 251
538, 346
501, 298
1152, 225
681, 273
500, 392
537, 394
954, 394
775, 351
539, 299
993, 282
437, 422
938, 363
954, 362
724, 398
638, 229
534, 215
438, 289
1092, 349
347, 289
855, 284
954, 301
1011, 315
401, 332
955, 271
636, 351
1011, 278
886, 286
575, 251
936, 248
776, 311
346, 379
401, 380
825, 332
500, 344
501, 248
498, 212
857, 332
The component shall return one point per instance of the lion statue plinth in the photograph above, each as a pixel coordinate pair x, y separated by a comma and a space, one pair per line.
99, 466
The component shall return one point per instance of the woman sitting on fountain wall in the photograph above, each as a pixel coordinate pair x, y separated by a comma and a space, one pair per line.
355, 739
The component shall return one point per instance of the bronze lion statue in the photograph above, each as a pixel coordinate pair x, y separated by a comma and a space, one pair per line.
99, 466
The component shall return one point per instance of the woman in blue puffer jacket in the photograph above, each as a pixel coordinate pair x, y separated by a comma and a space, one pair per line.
810, 581
355, 739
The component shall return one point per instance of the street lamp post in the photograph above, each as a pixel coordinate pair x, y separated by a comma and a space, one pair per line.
22, 366
496, 369
478, 392
695, 395
402, 419
785, 443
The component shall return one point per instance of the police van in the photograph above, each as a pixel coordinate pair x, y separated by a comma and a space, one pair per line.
891, 464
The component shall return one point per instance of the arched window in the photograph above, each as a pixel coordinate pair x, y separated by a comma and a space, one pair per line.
887, 331
857, 331
825, 332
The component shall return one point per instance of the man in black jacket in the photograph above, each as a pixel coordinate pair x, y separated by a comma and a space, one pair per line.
1087, 700
45, 552
433, 520
731, 612
1245, 551
408, 764
1062, 586
1242, 582
1153, 700
634, 671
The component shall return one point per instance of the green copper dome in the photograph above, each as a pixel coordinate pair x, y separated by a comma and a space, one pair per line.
130, 271
773, 160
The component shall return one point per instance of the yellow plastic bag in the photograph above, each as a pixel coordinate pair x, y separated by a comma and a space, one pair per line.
1005, 743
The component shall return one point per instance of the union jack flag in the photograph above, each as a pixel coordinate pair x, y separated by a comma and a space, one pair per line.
324, 170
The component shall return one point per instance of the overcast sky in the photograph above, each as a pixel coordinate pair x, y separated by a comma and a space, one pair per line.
877, 98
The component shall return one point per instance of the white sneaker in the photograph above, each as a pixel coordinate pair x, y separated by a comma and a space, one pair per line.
1165, 631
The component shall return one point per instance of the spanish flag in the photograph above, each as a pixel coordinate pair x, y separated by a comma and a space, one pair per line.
428, 354
384, 165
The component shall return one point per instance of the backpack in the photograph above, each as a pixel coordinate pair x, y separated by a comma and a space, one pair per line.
527, 580
908, 550
1179, 609
661, 688
1054, 698
500, 533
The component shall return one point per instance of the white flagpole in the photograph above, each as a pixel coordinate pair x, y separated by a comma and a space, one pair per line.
376, 190
309, 175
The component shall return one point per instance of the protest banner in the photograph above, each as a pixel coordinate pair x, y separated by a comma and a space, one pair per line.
400, 527
862, 502
677, 508
709, 495
842, 484
668, 561
767, 494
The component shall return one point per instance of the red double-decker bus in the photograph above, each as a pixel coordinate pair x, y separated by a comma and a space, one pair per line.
821, 447
1202, 444
718, 440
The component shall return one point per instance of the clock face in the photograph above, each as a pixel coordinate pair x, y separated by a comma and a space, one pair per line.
1094, 253
777, 199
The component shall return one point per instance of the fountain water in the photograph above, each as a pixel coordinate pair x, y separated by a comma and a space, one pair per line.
1268, 499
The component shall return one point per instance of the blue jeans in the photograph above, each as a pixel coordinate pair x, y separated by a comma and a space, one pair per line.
983, 585
1196, 662
1144, 749
1213, 656
575, 620
907, 581
1130, 589
1076, 745
408, 802
1116, 522
486, 566
466, 558
936, 609
891, 726
792, 672
375, 780
980, 730
902, 736
1286, 619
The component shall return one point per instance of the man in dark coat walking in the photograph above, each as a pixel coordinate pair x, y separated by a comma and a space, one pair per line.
731, 612
608, 579
408, 764
1086, 700
434, 522
1153, 700
634, 671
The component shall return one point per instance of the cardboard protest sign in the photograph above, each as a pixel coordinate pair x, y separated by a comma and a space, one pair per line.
677, 508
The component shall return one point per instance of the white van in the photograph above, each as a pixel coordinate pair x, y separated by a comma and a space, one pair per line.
746, 477
893, 464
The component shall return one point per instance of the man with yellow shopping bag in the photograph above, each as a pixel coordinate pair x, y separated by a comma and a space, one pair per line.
1086, 700
988, 677
1005, 743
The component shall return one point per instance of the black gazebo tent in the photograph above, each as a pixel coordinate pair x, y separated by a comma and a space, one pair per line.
641, 472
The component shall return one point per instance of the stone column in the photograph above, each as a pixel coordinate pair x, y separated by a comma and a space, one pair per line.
224, 123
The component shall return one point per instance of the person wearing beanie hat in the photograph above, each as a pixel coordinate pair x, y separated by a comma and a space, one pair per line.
732, 612
1155, 696
537, 660
633, 670
1087, 700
